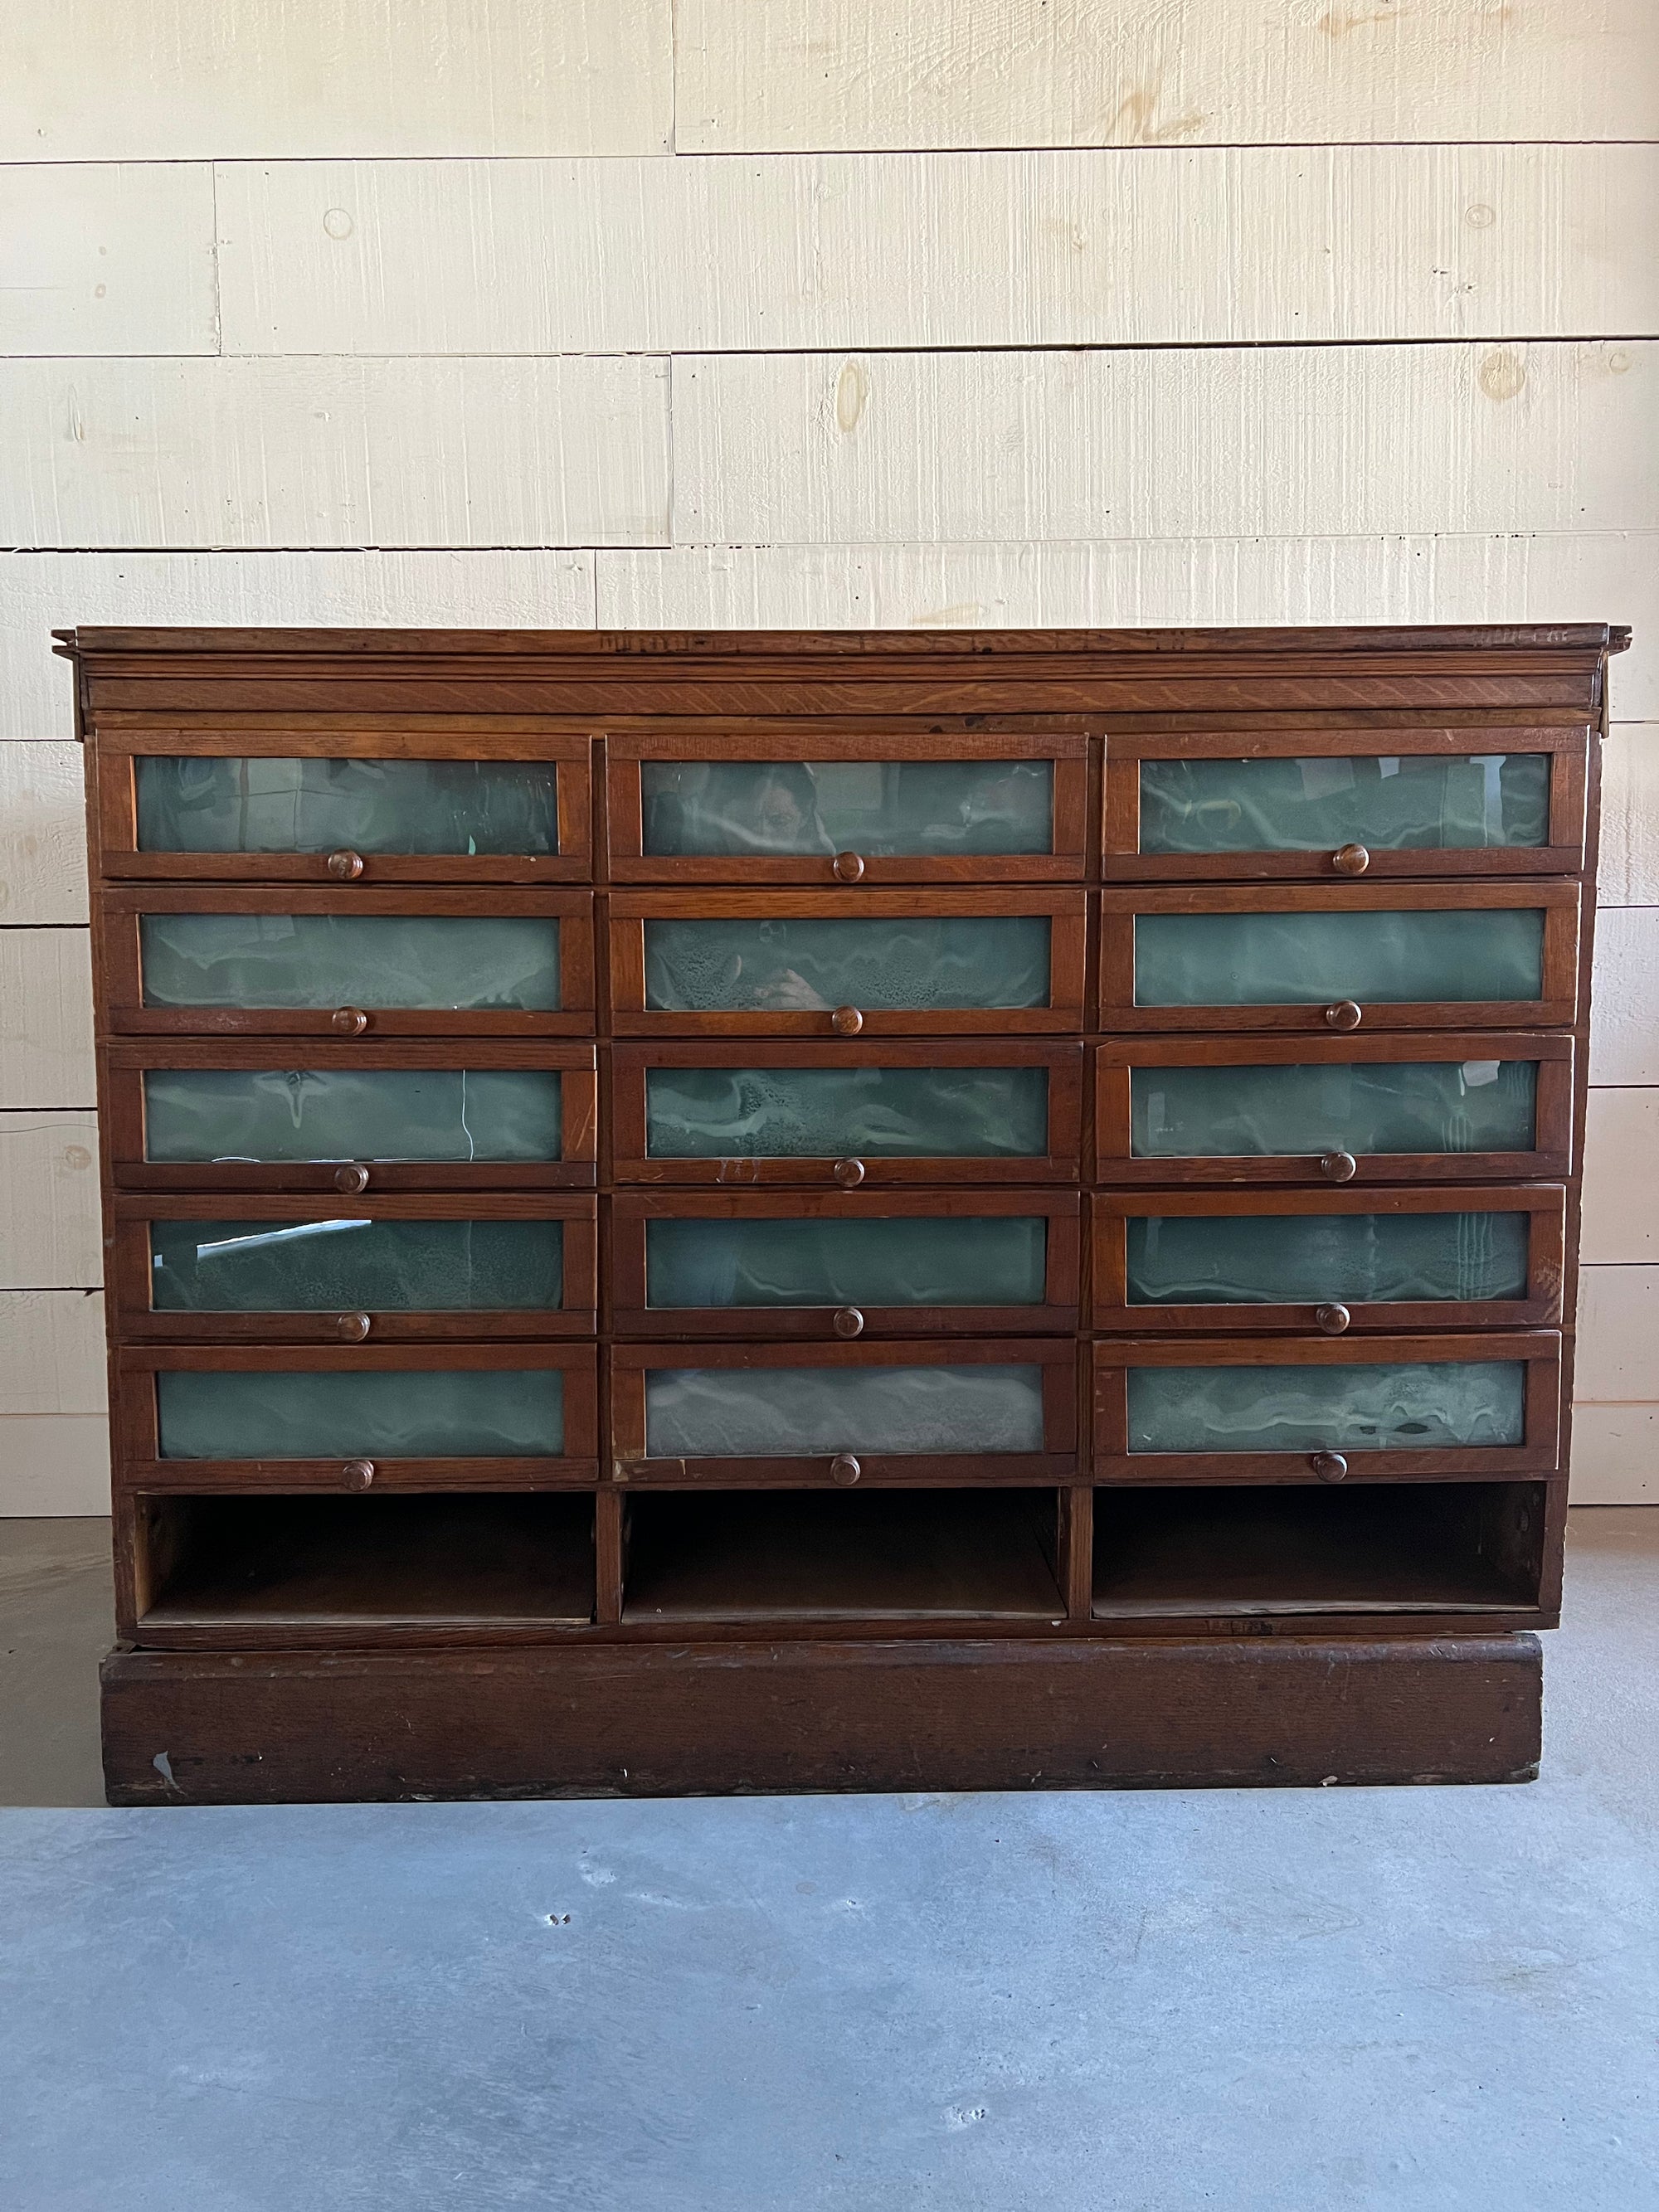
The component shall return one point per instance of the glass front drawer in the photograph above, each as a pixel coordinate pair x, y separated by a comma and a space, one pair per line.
1345, 803
824, 1113
844, 1414
1443, 1405
350, 964
1421, 955
787, 963
262, 809
1330, 1261
1247, 1110
847, 1265
864, 809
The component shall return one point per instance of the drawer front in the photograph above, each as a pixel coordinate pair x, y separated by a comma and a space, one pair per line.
346, 1270
845, 1414
232, 1117
260, 807
1345, 803
846, 1265
878, 964
1329, 1261
355, 1420
844, 1116
1244, 1410
1419, 956
322, 963
1385, 1109
750, 807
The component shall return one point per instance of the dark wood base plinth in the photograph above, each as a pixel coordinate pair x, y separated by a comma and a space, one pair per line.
709, 1719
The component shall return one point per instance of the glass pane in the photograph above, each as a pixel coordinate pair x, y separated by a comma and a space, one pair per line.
1294, 959
878, 808
410, 1413
224, 1113
196, 805
827, 1113
1216, 1259
1437, 1106
382, 1267
496, 964
786, 1412
921, 1262
1406, 1408
1390, 804
794, 967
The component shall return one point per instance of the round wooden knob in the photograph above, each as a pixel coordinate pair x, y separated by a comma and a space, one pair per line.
1333, 1318
358, 1474
351, 1179
1345, 1015
844, 1469
846, 1020
849, 1321
1338, 1167
1350, 860
351, 1021
847, 867
1329, 1467
353, 1326
848, 1173
348, 867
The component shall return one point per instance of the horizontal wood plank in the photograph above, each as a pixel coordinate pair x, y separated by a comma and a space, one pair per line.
1618, 1336
107, 258
51, 1351
864, 73
181, 80
1621, 1178
1629, 872
1624, 997
53, 1464
46, 1019
50, 1232
1615, 1456
43, 838
333, 453
1219, 246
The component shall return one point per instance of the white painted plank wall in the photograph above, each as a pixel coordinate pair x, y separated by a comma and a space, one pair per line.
549, 311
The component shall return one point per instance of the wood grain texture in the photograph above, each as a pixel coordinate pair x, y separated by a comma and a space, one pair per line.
1629, 873
177, 80
861, 73
1618, 1336
1624, 997
51, 1351
1615, 1456
46, 1019
334, 452
1621, 1178
1218, 245
53, 1463
842, 449
107, 258
51, 1237
43, 841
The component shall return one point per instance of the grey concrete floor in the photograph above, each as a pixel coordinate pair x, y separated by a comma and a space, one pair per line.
1378, 2001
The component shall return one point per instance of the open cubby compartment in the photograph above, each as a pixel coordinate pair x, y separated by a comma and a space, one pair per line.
885, 1554
285, 1564
1381, 1547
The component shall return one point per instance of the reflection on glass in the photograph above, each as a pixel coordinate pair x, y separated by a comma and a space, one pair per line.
828, 1113
409, 1414
786, 1412
1369, 1106
881, 809
1215, 1259
1390, 804
378, 1267
498, 963
995, 1261
801, 966
1417, 1407
1298, 959
191, 803
225, 1114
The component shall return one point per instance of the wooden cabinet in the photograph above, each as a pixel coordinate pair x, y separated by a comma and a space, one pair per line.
766, 1212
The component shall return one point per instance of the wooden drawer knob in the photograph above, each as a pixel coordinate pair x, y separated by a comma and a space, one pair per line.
348, 867
1338, 1167
350, 1180
351, 1021
848, 1173
1350, 860
849, 868
844, 1469
1333, 1318
358, 1474
1329, 1467
353, 1326
849, 1321
1345, 1015
846, 1020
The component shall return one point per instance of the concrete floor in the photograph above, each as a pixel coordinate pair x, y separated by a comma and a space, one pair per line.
1380, 2001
